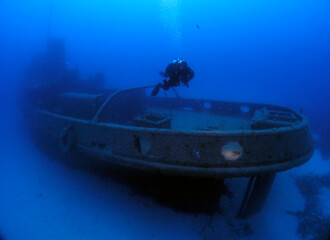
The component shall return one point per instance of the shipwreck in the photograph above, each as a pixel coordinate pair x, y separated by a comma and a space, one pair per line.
168, 136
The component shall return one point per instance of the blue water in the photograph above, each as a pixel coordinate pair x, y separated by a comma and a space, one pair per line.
256, 51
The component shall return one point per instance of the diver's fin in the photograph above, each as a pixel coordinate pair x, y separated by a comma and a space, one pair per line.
156, 90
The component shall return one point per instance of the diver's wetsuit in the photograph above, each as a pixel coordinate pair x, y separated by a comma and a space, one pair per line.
177, 72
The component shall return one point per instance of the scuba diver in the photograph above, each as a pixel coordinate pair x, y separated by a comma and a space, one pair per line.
177, 71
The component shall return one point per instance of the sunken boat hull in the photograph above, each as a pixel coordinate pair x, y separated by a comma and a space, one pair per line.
182, 137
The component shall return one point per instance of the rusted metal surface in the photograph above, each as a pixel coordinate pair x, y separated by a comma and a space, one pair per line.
190, 152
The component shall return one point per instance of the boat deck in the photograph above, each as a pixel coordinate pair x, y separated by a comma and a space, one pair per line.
184, 120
